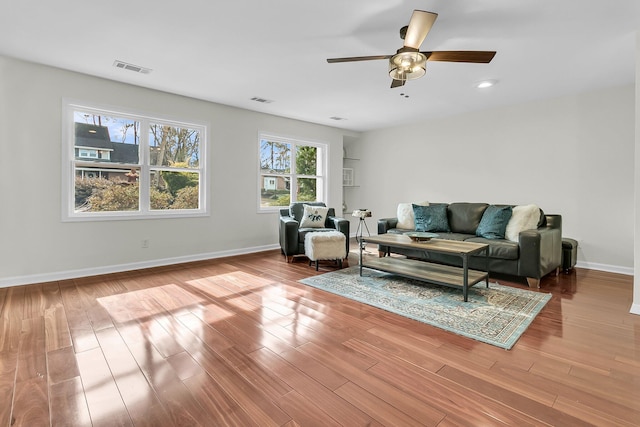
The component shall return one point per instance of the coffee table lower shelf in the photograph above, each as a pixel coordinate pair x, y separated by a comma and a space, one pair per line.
427, 272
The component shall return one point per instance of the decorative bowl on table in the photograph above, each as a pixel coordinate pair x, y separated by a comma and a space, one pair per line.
362, 213
421, 236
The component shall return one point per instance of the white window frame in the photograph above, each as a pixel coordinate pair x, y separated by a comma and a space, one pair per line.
144, 212
323, 168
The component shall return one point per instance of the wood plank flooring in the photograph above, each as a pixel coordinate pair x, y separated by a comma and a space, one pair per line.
239, 342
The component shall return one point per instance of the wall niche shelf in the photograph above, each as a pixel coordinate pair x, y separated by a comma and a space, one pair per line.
350, 177
349, 172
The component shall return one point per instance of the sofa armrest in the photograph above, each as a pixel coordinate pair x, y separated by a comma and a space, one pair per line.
288, 234
540, 250
340, 224
386, 224
554, 221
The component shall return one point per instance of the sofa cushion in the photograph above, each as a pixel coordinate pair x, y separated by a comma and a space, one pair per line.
465, 217
501, 249
432, 218
314, 216
524, 217
494, 222
405, 216
441, 235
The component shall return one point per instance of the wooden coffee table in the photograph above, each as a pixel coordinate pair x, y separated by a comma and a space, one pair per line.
457, 277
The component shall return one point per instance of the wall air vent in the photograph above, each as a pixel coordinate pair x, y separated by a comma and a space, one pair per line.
131, 67
262, 100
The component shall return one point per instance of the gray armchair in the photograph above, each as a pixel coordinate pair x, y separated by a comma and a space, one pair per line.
292, 236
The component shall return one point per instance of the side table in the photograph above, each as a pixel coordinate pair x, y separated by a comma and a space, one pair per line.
362, 214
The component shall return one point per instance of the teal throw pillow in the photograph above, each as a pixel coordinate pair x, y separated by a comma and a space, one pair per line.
431, 218
494, 222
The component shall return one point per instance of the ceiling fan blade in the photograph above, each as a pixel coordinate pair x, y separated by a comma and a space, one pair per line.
419, 26
478, 56
397, 83
358, 58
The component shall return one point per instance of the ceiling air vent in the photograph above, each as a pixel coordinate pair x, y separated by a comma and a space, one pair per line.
264, 101
131, 67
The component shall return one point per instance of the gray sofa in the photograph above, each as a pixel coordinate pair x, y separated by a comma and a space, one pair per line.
291, 235
537, 252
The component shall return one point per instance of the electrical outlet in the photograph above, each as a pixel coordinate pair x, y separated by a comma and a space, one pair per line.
144, 243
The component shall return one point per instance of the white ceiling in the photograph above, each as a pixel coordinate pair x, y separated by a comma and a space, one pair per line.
228, 52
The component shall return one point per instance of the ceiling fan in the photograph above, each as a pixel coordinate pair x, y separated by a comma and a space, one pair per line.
409, 63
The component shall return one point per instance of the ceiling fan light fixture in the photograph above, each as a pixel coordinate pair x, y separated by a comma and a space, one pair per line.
407, 65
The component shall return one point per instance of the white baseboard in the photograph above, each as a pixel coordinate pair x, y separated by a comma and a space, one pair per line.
635, 309
85, 272
605, 267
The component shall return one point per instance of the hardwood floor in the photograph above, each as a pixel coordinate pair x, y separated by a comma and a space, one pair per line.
238, 342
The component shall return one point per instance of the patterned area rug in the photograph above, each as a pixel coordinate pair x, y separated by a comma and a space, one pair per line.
497, 316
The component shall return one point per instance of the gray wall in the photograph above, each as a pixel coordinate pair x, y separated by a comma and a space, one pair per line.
572, 155
37, 246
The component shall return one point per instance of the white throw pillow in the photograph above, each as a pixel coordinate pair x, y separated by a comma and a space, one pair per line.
406, 220
313, 216
523, 217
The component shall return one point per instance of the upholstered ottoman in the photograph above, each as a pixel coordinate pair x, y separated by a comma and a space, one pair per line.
569, 253
325, 245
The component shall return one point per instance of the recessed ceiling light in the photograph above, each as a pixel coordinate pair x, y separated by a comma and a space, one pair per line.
485, 84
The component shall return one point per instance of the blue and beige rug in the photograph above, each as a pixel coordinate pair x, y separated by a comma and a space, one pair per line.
497, 316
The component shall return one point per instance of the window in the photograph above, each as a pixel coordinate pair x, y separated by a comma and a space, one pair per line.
290, 171
83, 152
120, 165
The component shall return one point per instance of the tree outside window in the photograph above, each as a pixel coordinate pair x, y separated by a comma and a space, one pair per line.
174, 170
283, 181
119, 169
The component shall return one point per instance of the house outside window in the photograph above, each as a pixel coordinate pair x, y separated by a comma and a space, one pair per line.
290, 170
119, 165
270, 183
